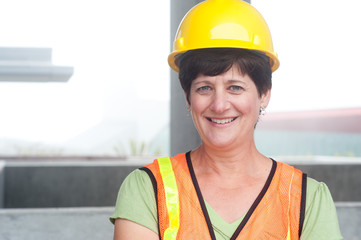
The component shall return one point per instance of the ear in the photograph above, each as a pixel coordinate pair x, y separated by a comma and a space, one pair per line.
265, 98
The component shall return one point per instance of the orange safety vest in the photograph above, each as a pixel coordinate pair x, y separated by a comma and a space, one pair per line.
277, 213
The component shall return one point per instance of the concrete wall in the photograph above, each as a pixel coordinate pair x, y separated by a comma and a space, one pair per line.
48, 185
86, 184
2, 185
343, 180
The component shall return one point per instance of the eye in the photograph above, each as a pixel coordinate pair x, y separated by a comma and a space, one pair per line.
235, 88
203, 89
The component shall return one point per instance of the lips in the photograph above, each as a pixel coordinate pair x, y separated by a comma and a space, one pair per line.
221, 121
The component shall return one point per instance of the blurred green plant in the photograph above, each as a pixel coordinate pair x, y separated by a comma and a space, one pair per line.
137, 148
38, 150
119, 150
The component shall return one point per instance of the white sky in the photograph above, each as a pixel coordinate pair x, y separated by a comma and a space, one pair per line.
318, 42
119, 51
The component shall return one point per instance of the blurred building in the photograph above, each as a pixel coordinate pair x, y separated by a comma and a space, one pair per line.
328, 132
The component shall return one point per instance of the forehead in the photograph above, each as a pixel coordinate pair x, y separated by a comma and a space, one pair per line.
234, 74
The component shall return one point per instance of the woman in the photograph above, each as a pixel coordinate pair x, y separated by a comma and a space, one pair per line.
224, 189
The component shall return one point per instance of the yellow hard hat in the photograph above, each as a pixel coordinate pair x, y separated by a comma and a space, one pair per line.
223, 24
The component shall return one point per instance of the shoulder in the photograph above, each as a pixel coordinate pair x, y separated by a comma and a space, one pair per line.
136, 179
177, 162
136, 187
318, 193
316, 188
136, 201
320, 217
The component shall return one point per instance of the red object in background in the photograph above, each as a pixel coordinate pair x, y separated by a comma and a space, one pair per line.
330, 120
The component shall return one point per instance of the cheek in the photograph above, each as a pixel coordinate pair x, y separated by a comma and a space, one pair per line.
197, 108
248, 106
197, 104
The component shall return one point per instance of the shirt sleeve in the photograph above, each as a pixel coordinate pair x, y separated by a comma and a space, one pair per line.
321, 220
136, 201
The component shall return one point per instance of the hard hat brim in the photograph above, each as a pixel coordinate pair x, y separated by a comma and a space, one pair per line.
173, 63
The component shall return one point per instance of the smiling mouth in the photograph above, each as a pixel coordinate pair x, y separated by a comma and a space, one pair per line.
221, 121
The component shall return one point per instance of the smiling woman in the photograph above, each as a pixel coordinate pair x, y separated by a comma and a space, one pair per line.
224, 188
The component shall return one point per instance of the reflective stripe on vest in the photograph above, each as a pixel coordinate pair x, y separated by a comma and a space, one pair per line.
171, 196
289, 207
289, 232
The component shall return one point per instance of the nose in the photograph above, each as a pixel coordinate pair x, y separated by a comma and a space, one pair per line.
220, 102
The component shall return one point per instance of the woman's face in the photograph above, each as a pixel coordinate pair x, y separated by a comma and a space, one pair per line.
225, 108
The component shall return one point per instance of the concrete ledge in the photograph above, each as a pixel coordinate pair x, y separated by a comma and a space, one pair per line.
93, 223
56, 224
349, 215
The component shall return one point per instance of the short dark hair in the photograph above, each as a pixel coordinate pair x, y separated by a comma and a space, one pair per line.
215, 61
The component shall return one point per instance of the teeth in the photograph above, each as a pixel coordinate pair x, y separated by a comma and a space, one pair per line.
222, 121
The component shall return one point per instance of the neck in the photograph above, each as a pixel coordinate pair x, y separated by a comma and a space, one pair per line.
240, 161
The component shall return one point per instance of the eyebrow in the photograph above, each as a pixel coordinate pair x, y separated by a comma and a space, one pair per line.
230, 81
201, 82
236, 81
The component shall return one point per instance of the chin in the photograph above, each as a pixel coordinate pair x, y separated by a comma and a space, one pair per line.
221, 144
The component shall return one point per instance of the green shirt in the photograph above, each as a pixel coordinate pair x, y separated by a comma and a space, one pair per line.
136, 202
